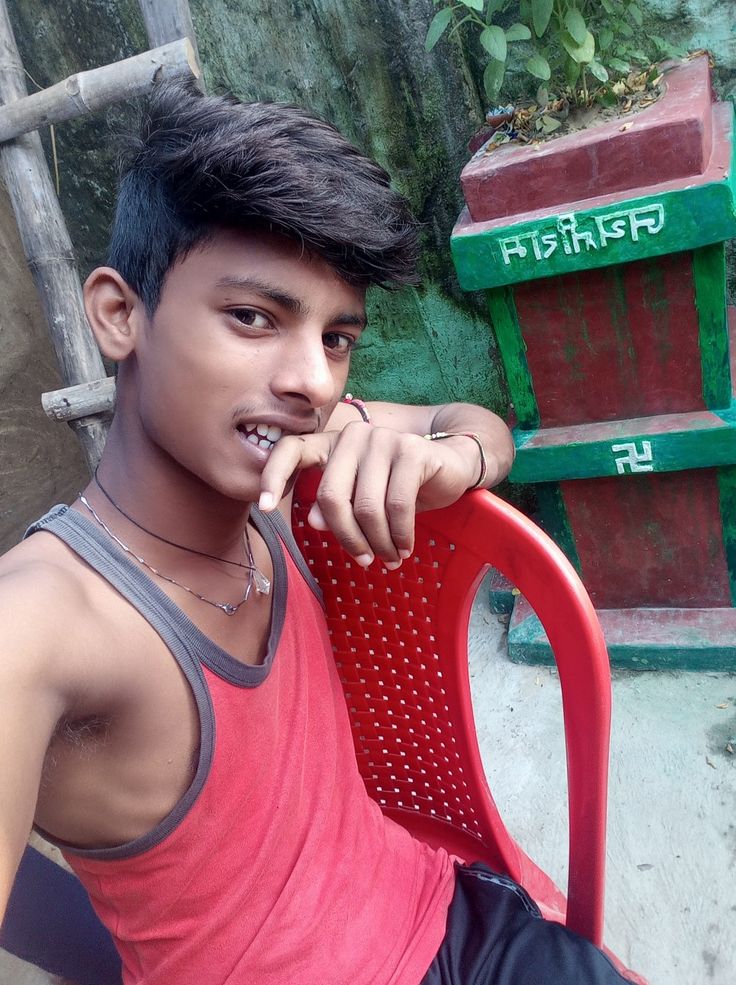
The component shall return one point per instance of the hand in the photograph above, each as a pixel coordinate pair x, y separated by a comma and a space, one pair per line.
375, 479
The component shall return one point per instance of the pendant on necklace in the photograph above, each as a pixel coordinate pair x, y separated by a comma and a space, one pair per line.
263, 585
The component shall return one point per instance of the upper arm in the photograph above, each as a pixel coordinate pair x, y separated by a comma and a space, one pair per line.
32, 699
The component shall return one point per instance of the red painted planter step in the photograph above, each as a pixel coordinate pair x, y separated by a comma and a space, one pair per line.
583, 434
642, 638
669, 140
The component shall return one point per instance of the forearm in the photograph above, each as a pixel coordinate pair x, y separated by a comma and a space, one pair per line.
498, 445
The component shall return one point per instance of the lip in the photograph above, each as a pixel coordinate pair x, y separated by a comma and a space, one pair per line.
259, 454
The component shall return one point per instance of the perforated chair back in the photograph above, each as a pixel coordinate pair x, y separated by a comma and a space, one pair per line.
400, 642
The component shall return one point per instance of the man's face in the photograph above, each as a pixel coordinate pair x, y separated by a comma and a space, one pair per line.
251, 340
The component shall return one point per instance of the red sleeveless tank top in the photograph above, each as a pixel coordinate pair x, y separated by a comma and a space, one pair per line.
276, 868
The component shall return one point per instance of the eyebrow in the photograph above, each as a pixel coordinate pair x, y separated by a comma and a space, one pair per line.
266, 290
288, 301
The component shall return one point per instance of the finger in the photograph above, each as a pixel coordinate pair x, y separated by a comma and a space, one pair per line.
291, 453
334, 505
402, 493
369, 499
315, 518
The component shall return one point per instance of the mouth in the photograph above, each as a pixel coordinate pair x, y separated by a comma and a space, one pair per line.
263, 436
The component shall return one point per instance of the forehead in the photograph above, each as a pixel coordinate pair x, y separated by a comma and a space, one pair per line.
229, 257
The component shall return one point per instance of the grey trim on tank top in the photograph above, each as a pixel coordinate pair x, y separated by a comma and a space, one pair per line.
187, 644
284, 531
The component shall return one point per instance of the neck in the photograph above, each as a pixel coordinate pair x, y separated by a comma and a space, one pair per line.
161, 495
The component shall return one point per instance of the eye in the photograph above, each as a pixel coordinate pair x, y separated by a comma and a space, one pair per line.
339, 343
250, 317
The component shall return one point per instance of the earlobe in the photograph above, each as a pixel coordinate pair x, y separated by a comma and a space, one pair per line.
114, 311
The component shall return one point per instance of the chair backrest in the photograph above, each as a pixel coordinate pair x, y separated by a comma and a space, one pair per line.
400, 641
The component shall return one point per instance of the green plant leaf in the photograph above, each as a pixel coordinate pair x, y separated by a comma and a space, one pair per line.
473, 4
541, 13
572, 72
625, 30
662, 46
606, 97
518, 32
618, 65
605, 37
493, 78
493, 40
437, 27
538, 66
580, 53
598, 71
576, 26
635, 13
542, 96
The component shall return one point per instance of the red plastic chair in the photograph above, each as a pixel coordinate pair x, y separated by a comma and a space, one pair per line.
400, 641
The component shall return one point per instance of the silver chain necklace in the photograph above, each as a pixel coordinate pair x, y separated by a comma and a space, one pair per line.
255, 577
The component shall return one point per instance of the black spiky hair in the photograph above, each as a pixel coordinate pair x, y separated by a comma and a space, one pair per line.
202, 162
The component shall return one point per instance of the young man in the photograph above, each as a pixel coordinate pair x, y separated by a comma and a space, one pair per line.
170, 711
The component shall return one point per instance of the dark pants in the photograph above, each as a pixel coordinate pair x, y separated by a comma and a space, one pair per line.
496, 936
50, 922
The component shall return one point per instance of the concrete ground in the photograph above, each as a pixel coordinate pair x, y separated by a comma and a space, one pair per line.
671, 867
671, 889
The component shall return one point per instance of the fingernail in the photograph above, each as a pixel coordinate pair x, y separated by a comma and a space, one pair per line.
364, 560
404, 554
316, 520
392, 565
266, 501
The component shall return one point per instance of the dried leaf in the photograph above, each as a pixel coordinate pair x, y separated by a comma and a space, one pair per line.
712, 765
550, 124
626, 126
723, 704
729, 748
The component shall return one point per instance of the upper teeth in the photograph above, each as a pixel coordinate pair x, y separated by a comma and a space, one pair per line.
263, 435
269, 431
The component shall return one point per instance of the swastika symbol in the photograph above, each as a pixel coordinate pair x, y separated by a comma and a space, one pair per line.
633, 458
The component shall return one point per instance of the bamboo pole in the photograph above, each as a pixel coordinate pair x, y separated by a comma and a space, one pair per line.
86, 92
47, 245
83, 400
167, 20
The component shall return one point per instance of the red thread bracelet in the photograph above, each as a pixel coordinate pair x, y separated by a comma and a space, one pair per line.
359, 406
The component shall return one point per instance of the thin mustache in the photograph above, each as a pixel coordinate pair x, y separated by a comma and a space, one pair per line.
311, 422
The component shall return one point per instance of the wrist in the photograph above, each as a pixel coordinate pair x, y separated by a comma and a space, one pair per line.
477, 463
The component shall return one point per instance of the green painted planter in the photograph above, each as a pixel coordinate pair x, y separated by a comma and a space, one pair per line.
610, 314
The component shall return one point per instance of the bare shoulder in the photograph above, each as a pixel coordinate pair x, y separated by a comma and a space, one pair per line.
39, 580
45, 612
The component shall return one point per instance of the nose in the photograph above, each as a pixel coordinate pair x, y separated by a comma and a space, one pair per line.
304, 370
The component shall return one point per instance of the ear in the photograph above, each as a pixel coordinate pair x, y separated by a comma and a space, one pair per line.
116, 314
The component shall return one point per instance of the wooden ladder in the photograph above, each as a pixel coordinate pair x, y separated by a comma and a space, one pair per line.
88, 396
